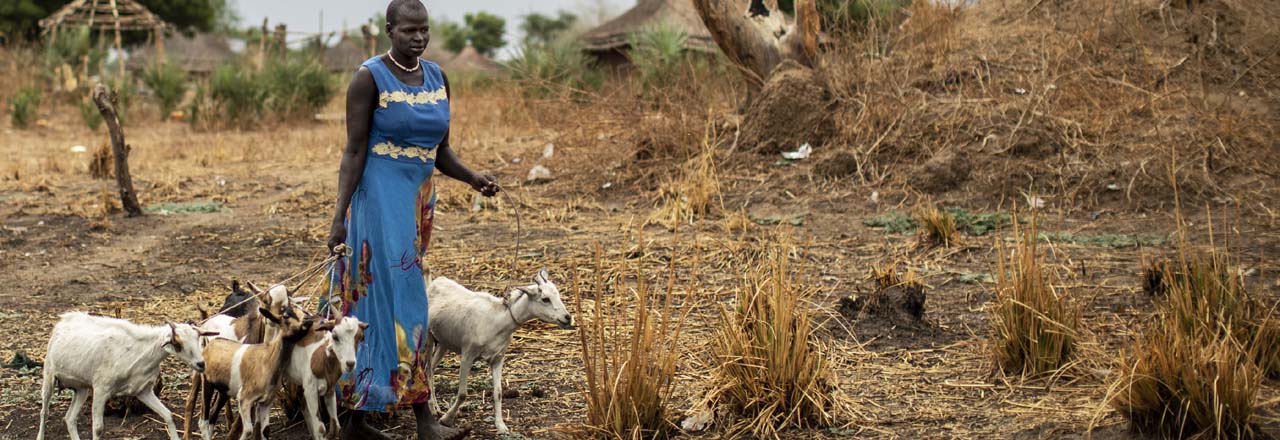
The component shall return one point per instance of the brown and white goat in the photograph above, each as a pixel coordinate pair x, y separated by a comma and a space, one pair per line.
318, 360
251, 372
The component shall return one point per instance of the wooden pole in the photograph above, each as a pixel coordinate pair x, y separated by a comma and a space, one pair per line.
115, 13
158, 31
128, 198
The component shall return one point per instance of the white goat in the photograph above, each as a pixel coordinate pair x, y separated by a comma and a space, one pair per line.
318, 360
479, 326
252, 372
113, 357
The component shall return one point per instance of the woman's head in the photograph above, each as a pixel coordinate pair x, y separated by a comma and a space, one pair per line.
408, 27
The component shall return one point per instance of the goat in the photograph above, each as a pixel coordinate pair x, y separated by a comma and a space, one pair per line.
113, 357
252, 372
318, 361
479, 326
248, 327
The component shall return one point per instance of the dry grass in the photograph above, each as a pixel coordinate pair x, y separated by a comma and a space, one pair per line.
630, 369
885, 275
695, 193
937, 227
1180, 386
1035, 327
774, 374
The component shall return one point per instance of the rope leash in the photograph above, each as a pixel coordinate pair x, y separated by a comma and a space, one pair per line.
308, 274
515, 259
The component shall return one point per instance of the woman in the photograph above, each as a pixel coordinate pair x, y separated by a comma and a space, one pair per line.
397, 135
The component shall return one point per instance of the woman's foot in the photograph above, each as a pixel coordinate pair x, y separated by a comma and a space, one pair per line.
430, 429
356, 427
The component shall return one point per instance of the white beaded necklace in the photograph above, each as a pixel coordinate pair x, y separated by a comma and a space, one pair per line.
406, 69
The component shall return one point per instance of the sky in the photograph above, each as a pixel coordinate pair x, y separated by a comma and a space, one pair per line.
304, 15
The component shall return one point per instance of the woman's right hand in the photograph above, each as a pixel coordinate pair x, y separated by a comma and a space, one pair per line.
337, 236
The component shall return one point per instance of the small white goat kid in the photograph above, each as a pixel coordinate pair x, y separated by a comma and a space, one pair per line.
113, 357
479, 326
316, 364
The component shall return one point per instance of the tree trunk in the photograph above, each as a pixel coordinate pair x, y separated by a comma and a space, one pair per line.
128, 198
757, 37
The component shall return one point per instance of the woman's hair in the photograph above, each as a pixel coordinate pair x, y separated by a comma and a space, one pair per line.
393, 9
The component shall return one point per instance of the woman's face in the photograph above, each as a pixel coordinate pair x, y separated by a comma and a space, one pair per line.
411, 31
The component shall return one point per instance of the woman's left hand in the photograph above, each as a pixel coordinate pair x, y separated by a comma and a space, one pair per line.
486, 185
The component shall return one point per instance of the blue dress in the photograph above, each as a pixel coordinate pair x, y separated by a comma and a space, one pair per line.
388, 230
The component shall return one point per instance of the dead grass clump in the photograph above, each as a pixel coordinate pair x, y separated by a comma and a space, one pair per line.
694, 193
1177, 385
1035, 328
1154, 273
630, 371
101, 165
937, 226
773, 372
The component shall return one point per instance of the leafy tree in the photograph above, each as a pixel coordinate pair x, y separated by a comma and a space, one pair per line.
453, 34
483, 30
486, 32
20, 18
540, 29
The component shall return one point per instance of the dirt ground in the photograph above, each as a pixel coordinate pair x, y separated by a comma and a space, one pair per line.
275, 187
263, 200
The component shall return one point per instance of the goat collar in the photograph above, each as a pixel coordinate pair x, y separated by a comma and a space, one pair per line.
508, 301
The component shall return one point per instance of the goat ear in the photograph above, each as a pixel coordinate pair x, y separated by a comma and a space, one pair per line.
254, 287
266, 313
542, 277
235, 286
364, 325
207, 334
532, 292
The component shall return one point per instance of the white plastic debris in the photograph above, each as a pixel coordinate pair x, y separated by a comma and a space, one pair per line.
1035, 202
516, 160
1113, 187
539, 173
79, 149
803, 153
875, 197
1020, 91
548, 151
697, 422
607, 185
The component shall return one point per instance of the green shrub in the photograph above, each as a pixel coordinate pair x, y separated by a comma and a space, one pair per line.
556, 67
236, 95
168, 82
850, 14
296, 88
24, 106
89, 113
657, 50
75, 48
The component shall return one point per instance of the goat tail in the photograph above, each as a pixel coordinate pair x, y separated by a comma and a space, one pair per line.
191, 403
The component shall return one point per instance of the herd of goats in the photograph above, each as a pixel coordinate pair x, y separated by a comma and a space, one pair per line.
262, 339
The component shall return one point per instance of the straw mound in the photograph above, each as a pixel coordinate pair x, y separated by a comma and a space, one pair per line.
790, 111
902, 304
1089, 99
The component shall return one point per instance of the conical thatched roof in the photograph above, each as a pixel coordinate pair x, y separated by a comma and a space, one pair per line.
201, 53
437, 53
612, 36
346, 56
133, 16
471, 60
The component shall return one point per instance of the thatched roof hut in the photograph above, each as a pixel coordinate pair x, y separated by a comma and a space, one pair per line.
471, 60
199, 54
609, 42
345, 56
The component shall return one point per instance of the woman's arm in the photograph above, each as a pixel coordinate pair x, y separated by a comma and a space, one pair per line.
448, 163
361, 96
